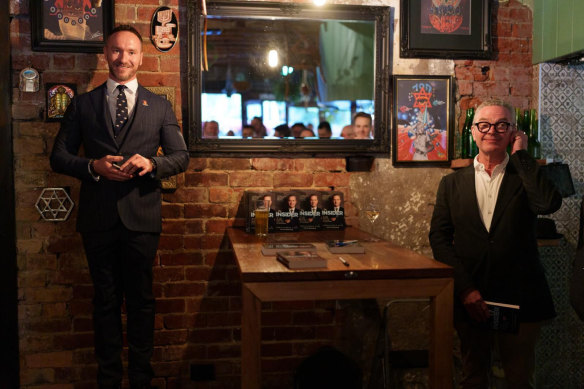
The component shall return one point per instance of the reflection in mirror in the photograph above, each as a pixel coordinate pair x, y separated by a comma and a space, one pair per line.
299, 73
289, 73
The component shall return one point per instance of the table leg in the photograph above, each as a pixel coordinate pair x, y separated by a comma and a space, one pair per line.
251, 374
441, 343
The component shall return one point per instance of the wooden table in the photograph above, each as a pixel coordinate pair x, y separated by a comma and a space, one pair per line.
384, 271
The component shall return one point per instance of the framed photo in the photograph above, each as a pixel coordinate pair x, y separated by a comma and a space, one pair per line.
423, 122
71, 26
58, 97
458, 29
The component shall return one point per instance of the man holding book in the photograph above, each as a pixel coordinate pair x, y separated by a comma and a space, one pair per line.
483, 225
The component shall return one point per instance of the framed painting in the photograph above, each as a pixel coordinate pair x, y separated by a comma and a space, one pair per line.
70, 26
58, 96
422, 127
458, 29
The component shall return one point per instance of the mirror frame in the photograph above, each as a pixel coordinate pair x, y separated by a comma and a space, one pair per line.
379, 146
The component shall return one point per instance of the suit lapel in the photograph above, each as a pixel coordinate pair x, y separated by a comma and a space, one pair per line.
99, 101
509, 187
469, 198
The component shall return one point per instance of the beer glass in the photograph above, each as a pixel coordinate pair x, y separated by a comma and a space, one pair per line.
261, 218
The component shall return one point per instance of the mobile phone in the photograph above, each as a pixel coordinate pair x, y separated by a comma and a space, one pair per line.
116, 165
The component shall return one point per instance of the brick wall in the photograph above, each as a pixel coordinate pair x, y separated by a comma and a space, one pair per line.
196, 280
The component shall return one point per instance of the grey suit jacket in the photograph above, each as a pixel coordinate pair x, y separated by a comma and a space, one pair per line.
137, 202
503, 263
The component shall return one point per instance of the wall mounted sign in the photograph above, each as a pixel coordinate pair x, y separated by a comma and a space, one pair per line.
422, 120
445, 29
70, 25
54, 204
29, 80
164, 29
58, 97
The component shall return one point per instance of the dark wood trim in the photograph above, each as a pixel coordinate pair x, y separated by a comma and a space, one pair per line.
9, 364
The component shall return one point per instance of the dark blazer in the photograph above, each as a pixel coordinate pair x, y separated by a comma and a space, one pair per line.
137, 202
503, 263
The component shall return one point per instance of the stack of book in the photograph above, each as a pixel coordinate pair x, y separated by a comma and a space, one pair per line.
503, 317
301, 259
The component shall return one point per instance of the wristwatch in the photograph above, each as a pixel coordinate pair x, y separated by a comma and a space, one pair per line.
91, 170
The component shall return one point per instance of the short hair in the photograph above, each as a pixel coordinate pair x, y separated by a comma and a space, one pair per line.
496, 102
362, 115
283, 129
326, 125
125, 27
299, 124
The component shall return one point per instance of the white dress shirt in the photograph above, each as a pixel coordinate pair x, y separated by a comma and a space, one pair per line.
487, 188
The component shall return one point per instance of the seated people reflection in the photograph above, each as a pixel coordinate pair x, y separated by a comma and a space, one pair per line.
324, 130
247, 131
362, 125
230, 133
292, 212
211, 129
272, 213
307, 133
282, 131
297, 129
337, 217
258, 127
347, 132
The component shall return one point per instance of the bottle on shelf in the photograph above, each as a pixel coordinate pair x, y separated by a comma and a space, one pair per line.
468, 145
525, 122
533, 145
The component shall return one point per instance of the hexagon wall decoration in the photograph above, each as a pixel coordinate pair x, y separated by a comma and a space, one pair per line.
54, 204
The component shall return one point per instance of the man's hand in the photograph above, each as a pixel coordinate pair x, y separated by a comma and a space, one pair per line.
475, 305
111, 167
518, 141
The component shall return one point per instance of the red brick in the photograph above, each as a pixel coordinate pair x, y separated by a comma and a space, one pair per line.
215, 226
229, 164
169, 337
221, 195
184, 289
180, 259
206, 179
150, 64
172, 211
55, 359
173, 305
173, 322
249, 179
271, 164
204, 210
170, 242
173, 227
328, 179
215, 335
188, 195
289, 179
168, 274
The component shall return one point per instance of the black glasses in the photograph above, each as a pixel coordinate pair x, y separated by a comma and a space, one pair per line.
500, 127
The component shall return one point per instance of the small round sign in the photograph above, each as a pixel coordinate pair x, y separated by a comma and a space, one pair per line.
164, 29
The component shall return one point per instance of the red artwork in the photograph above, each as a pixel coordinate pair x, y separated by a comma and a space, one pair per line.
446, 17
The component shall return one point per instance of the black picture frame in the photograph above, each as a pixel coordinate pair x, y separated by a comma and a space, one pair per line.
427, 33
57, 105
379, 146
56, 27
423, 120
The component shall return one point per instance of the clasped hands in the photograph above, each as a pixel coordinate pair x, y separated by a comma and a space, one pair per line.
112, 168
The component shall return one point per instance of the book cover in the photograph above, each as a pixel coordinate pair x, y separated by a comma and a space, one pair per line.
274, 248
333, 214
503, 317
287, 211
345, 247
301, 259
311, 211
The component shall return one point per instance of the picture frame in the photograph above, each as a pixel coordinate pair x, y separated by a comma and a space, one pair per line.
58, 96
444, 31
166, 92
56, 25
422, 120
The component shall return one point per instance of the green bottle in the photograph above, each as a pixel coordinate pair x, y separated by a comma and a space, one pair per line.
533, 145
525, 123
466, 148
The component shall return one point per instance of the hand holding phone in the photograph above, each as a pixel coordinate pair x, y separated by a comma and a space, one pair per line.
518, 141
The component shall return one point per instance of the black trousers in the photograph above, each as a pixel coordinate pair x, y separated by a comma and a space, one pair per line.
120, 263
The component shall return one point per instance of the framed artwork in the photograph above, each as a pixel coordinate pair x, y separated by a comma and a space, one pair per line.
58, 96
70, 26
458, 29
166, 92
423, 122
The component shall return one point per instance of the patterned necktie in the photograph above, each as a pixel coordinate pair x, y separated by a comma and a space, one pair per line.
121, 110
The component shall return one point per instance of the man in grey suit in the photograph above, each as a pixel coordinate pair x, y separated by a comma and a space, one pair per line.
483, 225
120, 126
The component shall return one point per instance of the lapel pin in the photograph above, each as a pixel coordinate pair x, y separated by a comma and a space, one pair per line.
144, 103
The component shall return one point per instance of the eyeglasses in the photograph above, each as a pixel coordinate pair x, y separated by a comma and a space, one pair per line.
500, 127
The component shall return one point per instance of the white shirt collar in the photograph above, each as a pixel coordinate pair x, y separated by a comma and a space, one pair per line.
480, 167
132, 86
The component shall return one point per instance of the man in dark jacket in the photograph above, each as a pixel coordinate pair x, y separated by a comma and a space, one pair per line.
483, 225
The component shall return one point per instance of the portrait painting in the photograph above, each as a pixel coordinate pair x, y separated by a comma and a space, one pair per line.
422, 120
58, 97
70, 25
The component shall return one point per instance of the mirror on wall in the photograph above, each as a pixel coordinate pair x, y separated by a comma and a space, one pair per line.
282, 78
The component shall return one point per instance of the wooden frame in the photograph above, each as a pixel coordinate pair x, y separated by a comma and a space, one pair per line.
422, 126
379, 146
426, 32
56, 26
57, 99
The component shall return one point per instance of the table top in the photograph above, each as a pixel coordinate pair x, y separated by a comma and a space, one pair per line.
381, 260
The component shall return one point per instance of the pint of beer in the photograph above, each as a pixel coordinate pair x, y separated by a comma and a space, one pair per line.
261, 219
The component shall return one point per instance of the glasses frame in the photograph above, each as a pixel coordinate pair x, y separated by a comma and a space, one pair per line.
494, 125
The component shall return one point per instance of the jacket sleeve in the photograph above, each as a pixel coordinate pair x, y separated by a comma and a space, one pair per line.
64, 156
542, 195
176, 157
442, 238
